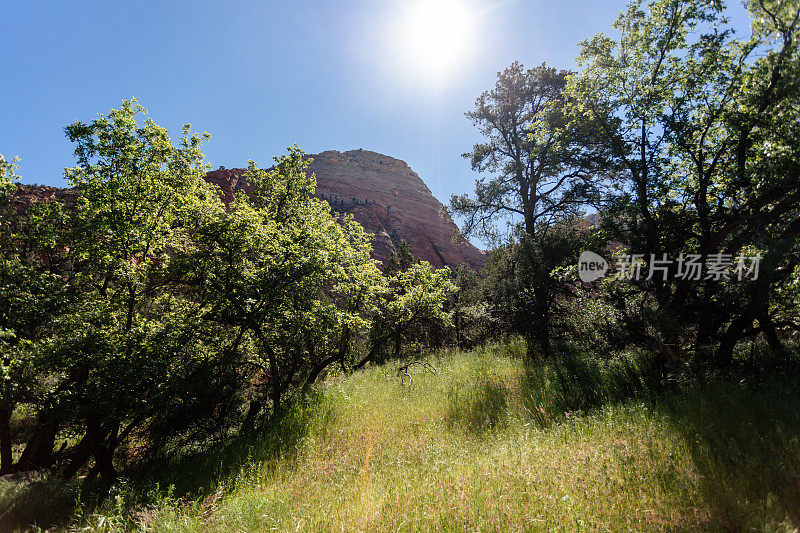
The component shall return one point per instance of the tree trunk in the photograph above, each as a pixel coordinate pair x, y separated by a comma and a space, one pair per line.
373, 351
253, 410
457, 321
768, 327
6, 456
730, 338
102, 442
398, 341
81, 454
275, 396
703, 342
543, 330
38, 451
344, 343
274, 386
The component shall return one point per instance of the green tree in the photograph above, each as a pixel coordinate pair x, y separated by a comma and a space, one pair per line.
543, 167
400, 259
8, 175
521, 287
294, 282
410, 300
33, 301
468, 307
131, 343
540, 171
9, 365
148, 309
703, 127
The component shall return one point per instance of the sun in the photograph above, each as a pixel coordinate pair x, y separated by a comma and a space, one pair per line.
435, 38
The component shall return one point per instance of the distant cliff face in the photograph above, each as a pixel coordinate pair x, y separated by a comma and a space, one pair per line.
382, 193
386, 197
29, 194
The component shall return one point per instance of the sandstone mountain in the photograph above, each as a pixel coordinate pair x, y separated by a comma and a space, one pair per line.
382, 193
386, 197
28, 194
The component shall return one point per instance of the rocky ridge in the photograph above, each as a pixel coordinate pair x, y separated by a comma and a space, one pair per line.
386, 197
382, 193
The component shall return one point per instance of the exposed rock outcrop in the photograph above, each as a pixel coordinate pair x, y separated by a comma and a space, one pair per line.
386, 197
29, 194
381, 192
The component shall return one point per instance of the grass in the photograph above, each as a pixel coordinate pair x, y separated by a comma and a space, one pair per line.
486, 444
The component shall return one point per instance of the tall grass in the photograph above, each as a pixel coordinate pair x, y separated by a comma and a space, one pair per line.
486, 443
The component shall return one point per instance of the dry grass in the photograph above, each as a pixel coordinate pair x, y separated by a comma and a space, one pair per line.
480, 445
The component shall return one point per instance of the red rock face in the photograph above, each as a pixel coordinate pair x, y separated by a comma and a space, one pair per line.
386, 197
29, 194
382, 193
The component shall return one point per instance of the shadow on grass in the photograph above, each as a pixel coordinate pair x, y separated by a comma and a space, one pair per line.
50, 503
745, 443
41, 502
479, 409
741, 425
200, 473
573, 383
568, 383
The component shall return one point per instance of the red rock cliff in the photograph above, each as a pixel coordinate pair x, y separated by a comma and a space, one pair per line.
387, 198
382, 193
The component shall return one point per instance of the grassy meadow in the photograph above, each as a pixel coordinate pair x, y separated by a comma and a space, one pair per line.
482, 443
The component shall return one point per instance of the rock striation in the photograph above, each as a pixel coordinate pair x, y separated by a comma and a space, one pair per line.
386, 197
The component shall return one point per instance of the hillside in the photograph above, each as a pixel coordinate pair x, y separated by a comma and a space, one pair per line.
484, 443
388, 198
382, 193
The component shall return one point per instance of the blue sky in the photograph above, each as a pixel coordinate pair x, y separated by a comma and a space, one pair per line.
260, 76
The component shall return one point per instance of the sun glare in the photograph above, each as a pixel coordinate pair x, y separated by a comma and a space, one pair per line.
436, 38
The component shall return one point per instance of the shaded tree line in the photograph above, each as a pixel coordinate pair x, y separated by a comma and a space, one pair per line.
680, 138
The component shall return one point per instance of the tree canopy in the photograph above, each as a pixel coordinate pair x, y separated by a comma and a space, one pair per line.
149, 313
